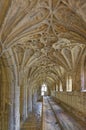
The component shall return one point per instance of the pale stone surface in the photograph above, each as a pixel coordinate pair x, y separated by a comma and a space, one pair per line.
41, 41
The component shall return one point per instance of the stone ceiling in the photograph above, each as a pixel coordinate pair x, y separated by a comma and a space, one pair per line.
46, 37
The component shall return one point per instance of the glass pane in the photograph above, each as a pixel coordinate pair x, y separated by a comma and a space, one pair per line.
42, 93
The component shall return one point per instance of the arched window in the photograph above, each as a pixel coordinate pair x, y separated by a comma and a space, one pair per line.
69, 83
60, 87
43, 89
83, 74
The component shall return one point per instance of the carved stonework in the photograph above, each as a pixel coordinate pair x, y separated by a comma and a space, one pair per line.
41, 41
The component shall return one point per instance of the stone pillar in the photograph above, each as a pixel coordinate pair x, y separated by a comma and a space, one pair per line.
64, 85
16, 109
73, 81
35, 95
76, 81
34, 101
21, 103
14, 123
29, 100
25, 103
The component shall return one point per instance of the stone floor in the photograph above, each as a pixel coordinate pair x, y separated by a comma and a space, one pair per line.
49, 120
34, 119
64, 120
53, 117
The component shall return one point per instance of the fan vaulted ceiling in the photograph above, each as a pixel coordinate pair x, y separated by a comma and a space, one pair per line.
46, 37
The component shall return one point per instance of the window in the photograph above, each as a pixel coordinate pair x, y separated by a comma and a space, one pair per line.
43, 89
60, 87
69, 84
83, 74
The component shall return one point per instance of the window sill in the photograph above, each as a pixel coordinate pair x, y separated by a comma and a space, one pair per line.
83, 90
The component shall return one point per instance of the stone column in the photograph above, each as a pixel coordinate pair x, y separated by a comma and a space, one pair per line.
64, 85
29, 100
21, 103
17, 108
25, 103
14, 123
34, 101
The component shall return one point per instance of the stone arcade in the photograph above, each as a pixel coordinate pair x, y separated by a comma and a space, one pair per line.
42, 42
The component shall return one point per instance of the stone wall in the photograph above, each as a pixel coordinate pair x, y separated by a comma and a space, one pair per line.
74, 102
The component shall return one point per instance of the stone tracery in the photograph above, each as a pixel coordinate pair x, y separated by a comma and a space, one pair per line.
41, 40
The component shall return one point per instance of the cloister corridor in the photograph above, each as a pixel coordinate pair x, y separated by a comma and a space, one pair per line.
42, 64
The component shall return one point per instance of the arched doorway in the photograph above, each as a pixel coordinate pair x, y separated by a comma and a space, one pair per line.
44, 90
